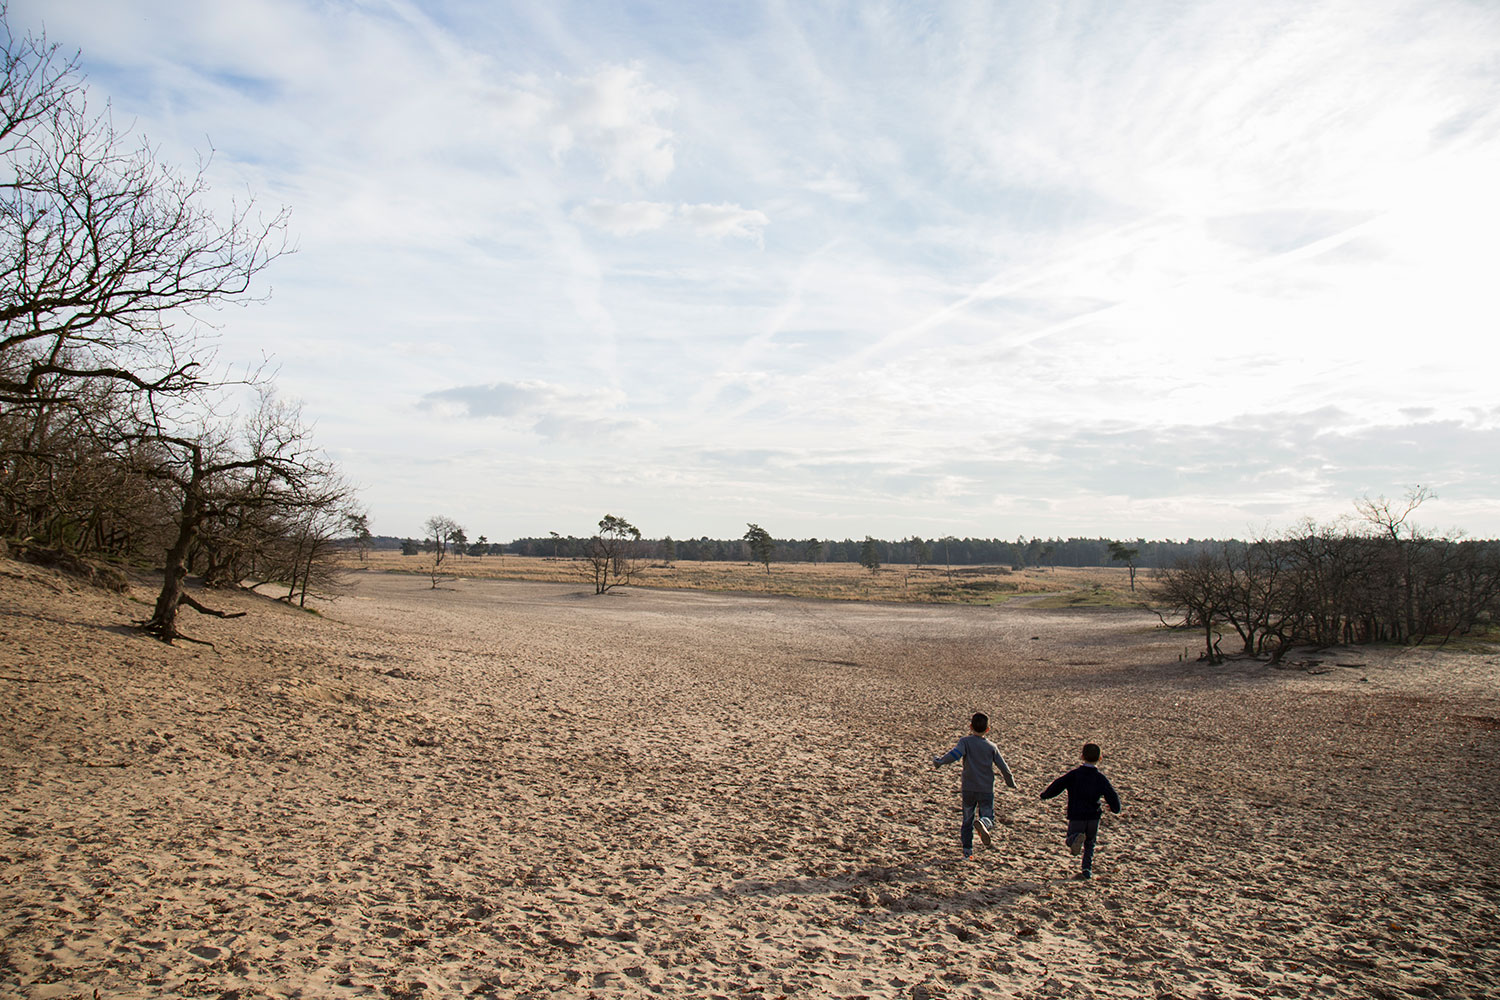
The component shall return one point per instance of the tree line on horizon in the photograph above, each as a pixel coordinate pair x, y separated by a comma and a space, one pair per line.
120, 434
1377, 577
914, 550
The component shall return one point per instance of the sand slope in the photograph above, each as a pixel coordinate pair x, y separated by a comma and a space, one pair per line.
508, 789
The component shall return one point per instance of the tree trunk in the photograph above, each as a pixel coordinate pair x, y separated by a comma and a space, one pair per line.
291, 590
163, 621
307, 575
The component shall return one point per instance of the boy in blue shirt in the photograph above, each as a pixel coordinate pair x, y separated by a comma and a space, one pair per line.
1085, 785
980, 758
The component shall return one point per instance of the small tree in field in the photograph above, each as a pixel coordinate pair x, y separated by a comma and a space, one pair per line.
441, 532
1119, 552
612, 553
761, 545
814, 549
869, 554
358, 526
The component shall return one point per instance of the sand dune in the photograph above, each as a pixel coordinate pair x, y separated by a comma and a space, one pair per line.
510, 789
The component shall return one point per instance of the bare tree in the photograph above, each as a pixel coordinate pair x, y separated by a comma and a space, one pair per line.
62, 486
106, 255
612, 553
1401, 546
108, 261
313, 547
1195, 589
267, 463
442, 532
1343, 584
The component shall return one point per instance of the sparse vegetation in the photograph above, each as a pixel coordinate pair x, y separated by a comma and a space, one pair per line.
981, 585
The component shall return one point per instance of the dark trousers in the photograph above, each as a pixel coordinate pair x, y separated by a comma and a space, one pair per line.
984, 805
1089, 830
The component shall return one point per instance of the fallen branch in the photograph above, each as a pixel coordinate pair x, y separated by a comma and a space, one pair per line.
202, 610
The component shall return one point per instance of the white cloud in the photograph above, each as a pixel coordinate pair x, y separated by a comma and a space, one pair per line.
726, 221
633, 218
834, 185
549, 410
626, 219
613, 112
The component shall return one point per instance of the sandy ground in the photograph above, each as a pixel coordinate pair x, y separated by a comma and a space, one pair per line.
511, 789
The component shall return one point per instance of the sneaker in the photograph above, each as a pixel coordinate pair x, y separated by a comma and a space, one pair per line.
1075, 843
984, 826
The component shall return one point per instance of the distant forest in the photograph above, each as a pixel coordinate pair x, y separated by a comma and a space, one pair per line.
1021, 552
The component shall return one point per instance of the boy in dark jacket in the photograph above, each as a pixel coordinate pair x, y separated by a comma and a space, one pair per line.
1085, 785
980, 758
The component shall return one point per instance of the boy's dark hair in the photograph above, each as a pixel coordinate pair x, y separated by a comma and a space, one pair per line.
980, 723
1091, 753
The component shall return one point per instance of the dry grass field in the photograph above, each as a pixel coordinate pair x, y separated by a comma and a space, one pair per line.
517, 789
984, 585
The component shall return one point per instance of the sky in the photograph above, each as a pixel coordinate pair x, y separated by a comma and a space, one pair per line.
990, 269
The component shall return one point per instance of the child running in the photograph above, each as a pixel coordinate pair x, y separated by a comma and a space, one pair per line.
980, 758
1085, 784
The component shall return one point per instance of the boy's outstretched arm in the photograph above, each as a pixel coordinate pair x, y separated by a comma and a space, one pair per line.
955, 754
1010, 779
1056, 788
1111, 797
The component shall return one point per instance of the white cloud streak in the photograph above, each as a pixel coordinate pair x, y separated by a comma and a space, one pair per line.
715, 221
538, 240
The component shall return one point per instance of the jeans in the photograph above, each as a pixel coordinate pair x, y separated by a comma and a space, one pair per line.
974, 802
1089, 828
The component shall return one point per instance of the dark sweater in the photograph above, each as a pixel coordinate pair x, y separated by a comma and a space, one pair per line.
1085, 785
